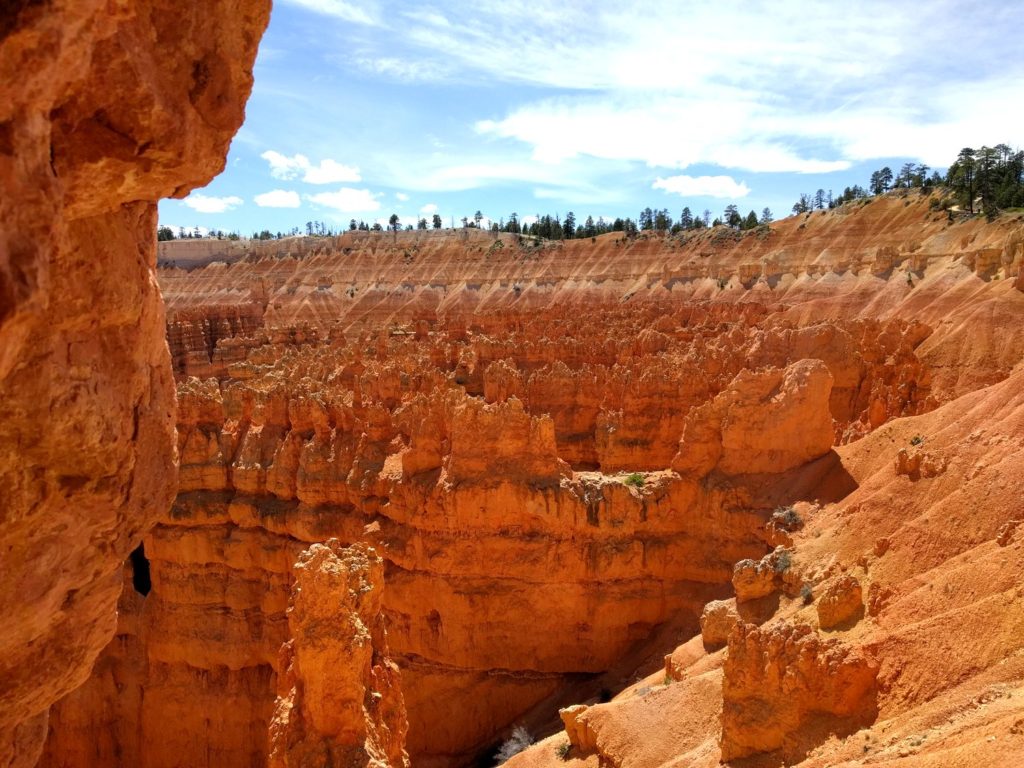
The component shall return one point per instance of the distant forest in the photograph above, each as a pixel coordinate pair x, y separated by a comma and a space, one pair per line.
983, 181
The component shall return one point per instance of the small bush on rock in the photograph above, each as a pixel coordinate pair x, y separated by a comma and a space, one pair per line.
787, 518
783, 562
807, 594
636, 480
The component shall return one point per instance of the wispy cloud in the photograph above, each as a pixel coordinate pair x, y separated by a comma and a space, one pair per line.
209, 204
278, 198
610, 106
401, 196
756, 86
429, 209
408, 70
326, 172
347, 200
702, 186
355, 13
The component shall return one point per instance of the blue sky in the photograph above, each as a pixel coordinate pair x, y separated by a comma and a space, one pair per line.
364, 109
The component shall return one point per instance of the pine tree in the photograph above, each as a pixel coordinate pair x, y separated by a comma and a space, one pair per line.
686, 218
569, 227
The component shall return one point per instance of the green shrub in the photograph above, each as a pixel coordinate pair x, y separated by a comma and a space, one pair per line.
636, 480
917, 440
563, 750
807, 594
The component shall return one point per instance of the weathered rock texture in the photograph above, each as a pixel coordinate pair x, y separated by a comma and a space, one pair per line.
933, 668
339, 696
561, 452
783, 688
104, 108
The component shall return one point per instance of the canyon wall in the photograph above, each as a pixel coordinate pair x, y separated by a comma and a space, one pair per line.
560, 451
106, 107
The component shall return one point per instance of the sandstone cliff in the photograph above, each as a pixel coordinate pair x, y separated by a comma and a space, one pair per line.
104, 108
560, 452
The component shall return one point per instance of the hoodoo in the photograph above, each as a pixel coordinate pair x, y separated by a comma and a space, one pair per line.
561, 453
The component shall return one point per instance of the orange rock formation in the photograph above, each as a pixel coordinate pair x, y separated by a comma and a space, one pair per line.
339, 700
562, 452
105, 107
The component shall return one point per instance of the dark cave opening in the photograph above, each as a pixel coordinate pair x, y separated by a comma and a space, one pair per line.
141, 581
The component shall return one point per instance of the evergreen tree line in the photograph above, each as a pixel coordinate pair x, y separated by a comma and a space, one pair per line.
991, 176
166, 233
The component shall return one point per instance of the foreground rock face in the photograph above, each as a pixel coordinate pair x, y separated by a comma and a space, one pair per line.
340, 700
105, 108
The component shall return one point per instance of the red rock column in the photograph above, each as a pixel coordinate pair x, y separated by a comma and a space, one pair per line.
340, 701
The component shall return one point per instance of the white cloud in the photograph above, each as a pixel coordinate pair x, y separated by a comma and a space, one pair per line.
760, 87
401, 196
327, 172
278, 198
339, 9
209, 204
429, 209
702, 186
347, 200
331, 172
428, 16
662, 134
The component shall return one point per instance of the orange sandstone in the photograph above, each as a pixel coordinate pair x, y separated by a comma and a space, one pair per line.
104, 108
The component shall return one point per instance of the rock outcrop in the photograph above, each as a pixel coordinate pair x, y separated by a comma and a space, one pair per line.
105, 108
784, 688
340, 700
769, 420
841, 603
717, 621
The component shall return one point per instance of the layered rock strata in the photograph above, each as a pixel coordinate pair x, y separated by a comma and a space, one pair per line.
558, 451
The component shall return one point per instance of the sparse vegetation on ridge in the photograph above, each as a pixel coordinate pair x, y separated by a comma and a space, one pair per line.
635, 480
